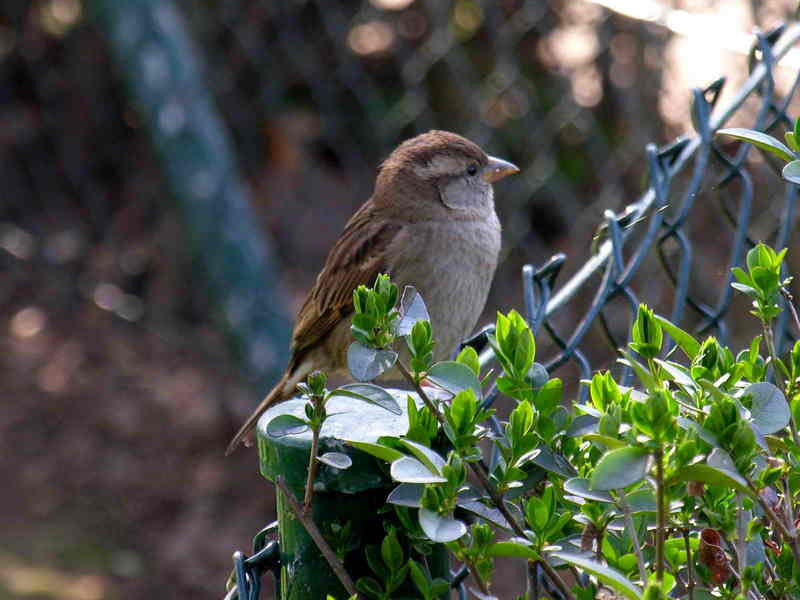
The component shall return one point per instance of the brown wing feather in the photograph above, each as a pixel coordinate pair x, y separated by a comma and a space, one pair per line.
358, 256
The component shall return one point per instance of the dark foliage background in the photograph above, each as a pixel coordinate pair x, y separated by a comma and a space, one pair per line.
119, 392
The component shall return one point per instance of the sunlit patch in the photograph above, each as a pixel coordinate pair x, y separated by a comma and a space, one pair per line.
28, 322
57, 17
17, 242
391, 4
573, 47
23, 580
107, 296
467, 17
711, 38
367, 39
587, 86
111, 298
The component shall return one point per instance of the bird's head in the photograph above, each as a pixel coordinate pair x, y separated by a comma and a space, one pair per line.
442, 168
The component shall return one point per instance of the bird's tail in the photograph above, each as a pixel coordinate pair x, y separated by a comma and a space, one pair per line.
280, 392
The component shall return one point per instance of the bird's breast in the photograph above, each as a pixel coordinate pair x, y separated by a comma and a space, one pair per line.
452, 264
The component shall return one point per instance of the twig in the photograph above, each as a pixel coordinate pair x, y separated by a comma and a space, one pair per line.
789, 534
662, 516
787, 295
787, 494
312, 529
741, 532
420, 392
556, 579
629, 525
313, 467
474, 570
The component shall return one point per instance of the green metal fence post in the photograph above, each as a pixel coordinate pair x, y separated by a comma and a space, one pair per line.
353, 495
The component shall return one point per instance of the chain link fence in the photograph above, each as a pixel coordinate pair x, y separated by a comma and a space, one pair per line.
116, 375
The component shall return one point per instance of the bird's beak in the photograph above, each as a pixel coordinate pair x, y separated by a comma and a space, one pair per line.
497, 169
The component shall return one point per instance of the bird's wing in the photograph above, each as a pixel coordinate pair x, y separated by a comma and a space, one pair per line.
357, 257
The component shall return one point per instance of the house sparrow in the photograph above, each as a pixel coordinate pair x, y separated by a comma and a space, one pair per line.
430, 223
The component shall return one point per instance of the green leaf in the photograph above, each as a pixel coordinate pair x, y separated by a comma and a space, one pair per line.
462, 412
454, 377
684, 339
741, 276
392, 552
441, 529
555, 463
745, 289
515, 548
579, 486
524, 351
765, 279
469, 357
369, 587
611, 577
677, 373
440, 587
537, 512
791, 172
769, 409
703, 433
549, 396
375, 561
607, 441
644, 375
372, 394
642, 500
753, 257
713, 476
410, 470
620, 468
283, 425
761, 140
407, 494
425, 455
337, 460
377, 450
490, 514
520, 421
367, 363
791, 138
646, 335
412, 309
419, 578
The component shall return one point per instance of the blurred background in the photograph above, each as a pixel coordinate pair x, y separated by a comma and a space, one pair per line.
121, 382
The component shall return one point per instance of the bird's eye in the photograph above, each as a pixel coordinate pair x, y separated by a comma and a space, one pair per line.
472, 169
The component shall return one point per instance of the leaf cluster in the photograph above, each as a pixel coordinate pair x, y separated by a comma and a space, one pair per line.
621, 488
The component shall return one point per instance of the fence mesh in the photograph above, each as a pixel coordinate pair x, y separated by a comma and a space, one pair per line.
111, 349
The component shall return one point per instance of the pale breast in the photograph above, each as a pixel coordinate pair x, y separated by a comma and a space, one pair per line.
452, 264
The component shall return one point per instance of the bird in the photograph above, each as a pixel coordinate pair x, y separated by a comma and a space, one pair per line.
431, 224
